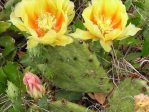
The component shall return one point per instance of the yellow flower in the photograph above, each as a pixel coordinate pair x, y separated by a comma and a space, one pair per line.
46, 21
106, 21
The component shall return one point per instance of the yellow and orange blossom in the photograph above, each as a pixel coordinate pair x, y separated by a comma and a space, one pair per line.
106, 21
46, 21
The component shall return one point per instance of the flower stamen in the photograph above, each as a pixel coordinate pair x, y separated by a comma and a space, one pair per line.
46, 21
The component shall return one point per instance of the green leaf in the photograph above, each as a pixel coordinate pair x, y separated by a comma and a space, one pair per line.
139, 4
9, 48
3, 77
2, 87
5, 14
2, 60
11, 70
3, 81
130, 41
133, 56
128, 4
136, 19
145, 50
7, 41
11, 3
4, 26
78, 24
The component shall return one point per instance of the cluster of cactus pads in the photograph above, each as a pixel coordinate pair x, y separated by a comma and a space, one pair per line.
76, 69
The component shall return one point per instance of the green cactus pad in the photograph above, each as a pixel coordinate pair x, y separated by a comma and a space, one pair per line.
65, 106
73, 68
123, 96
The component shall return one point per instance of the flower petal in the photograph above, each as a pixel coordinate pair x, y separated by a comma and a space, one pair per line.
63, 28
17, 22
84, 35
89, 24
32, 43
130, 30
112, 35
94, 30
70, 12
48, 38
106, 45
63, 40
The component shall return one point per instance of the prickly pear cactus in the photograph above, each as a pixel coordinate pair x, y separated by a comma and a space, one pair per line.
58, 106
72, 67
65, 106
122, 99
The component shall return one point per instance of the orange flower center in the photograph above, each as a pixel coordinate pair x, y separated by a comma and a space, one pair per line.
105, 23
45, 22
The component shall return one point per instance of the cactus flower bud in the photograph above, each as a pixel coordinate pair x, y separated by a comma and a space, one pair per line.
34, 85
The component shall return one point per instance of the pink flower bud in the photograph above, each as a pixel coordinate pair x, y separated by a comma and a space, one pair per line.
34, 85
